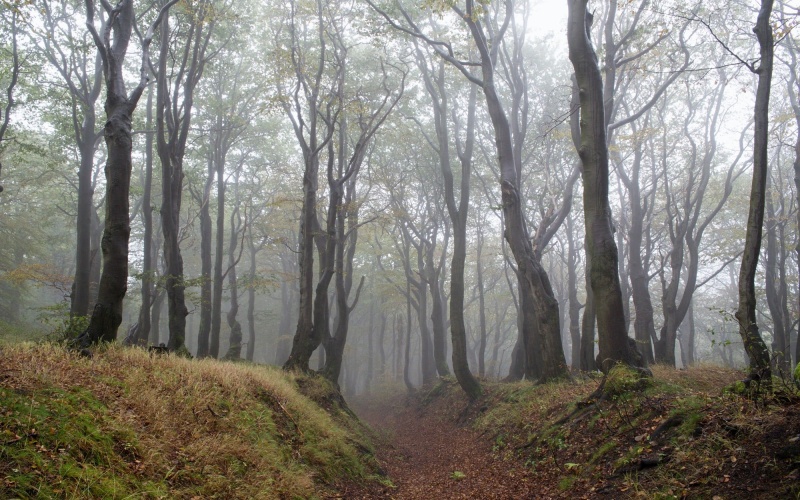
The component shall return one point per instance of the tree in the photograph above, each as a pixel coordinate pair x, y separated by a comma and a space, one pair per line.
601, 249
119, 105
539, 306
9, 91
304, 104
746, 313
65, 48
176, 84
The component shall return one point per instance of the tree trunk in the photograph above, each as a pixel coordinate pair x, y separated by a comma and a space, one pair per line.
158, 305
83, 262
776, 290
370, 348
601, 249
381, 350
407, 357
481, 308
216, 301
235, 341
541, 318
574, 304
346, 237
204, 335
148, 269
304, 342
172, 189
119, 106
746, 313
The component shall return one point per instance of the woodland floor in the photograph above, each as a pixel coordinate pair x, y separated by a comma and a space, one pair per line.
430, 452
724, 448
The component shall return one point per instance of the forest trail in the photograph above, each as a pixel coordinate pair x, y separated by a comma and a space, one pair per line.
428, 454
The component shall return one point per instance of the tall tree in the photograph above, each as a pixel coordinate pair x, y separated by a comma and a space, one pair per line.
177, 78
536, 292
12, 83
343, 209
119, 105
304, 103
601, 249
80, 69
746, 312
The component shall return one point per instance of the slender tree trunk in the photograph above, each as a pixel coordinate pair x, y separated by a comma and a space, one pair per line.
148, 269
80, 291
381, 350
346, 237
216, 304
438, 320
251, 298
235, 342
746, 313
792, 90
776, 290
574, 304
172, 188
370, 349
397, 356
204, 335
407, 356
158, 305
481, 308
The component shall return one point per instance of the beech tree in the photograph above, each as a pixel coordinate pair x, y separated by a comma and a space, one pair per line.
9, 90
120, 105
746, 313
177, 79
539, 306
66, 48
601, 249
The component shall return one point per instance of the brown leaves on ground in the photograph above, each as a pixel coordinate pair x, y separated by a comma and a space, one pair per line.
683, 437
428, 454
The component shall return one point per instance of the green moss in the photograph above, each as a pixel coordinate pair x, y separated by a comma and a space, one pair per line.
212, 430
566, 483
55, 446
622, 379
797, 372
737, 388
602, 450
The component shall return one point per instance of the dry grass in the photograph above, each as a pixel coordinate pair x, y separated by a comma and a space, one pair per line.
168, 427
714, 441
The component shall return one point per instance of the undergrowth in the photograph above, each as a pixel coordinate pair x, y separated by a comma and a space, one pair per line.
679, 434
125, 423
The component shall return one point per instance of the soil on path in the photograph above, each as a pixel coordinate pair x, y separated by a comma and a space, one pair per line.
428, 454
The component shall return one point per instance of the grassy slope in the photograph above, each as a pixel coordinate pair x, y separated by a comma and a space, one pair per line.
128, 424
714, 442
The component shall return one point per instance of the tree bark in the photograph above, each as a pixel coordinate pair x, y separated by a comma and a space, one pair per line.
204, 334
119, 106
601, 249
175, 100
235, 339
306, 338
746, 313
148, 269
542, 316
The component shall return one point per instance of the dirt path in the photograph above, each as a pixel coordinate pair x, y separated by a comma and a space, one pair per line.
428, 455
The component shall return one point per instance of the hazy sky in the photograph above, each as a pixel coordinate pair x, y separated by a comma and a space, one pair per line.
549, 16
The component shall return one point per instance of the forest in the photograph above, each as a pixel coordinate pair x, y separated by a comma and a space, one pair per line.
396, 196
